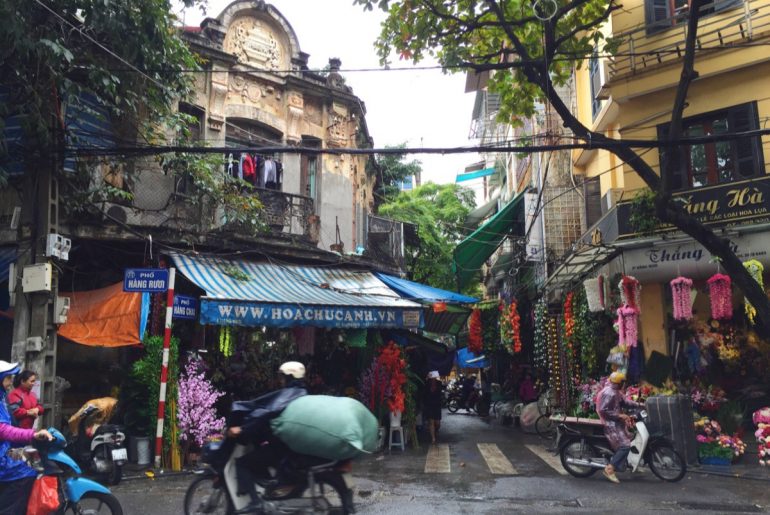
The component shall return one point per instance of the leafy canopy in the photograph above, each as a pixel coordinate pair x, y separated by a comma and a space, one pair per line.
439, 212
498, 35
392, 170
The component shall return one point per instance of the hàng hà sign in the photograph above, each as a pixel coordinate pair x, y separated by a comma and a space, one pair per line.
721, 205
225, 312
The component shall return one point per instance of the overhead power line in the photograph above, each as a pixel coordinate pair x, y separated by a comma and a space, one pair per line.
586, 144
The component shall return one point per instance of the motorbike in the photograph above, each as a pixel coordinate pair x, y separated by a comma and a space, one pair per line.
322, 486
474, 403
582, 455
101, 452
77, 494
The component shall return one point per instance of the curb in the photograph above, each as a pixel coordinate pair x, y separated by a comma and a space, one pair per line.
726, 472
158, 475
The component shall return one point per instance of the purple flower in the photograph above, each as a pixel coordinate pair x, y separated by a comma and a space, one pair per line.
196, 413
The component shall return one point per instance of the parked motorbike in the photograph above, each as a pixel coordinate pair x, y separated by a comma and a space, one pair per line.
76, 493
582, 455
100, 449
322, 486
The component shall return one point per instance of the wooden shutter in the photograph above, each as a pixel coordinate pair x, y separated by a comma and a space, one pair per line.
747, 152
656, 12
592, 193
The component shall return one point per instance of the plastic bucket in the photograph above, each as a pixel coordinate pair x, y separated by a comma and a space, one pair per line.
143, 455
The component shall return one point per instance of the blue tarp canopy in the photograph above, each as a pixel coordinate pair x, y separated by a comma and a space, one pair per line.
248, 293
467, 359
423, 293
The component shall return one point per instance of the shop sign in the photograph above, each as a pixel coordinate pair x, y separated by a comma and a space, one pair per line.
185, 307
145, 279
722, 205
225, 312
665, 261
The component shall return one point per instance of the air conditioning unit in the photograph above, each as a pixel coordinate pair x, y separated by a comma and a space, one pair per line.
600, 78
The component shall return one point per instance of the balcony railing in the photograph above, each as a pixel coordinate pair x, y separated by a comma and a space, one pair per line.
641, 51
288, 214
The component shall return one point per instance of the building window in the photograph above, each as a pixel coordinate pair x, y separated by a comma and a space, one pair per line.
663, 14
309, 173
722, 161
594, 72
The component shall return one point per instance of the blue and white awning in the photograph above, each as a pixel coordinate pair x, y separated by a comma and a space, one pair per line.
248, 293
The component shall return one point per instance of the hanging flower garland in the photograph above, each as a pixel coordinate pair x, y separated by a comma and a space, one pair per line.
628, 326
540, 349
515, 322
681, 293
594, 289
585, 335
721, 295
506, 331
475, 338
754, 268
554, 360
394, 365
570, 343
630, 292
226, 341
569, 318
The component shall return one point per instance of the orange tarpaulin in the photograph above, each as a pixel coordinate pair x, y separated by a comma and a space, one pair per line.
108, 317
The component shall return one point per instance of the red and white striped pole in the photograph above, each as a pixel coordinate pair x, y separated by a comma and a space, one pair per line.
164, 366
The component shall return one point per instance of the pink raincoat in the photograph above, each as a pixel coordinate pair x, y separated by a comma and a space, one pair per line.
609, 403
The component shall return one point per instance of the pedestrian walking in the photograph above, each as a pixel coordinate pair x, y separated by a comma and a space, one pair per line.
431, 410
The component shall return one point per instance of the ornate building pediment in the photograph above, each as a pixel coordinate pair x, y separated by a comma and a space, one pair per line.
253, 42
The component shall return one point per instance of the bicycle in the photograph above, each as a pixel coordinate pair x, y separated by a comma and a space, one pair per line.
544, 426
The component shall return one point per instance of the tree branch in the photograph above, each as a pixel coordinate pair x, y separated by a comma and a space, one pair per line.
588, 25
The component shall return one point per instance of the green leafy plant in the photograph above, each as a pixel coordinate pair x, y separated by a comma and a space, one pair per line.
642, 218
146, 374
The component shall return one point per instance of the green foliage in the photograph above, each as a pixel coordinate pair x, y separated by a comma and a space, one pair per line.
481, 35
438, 211
730, 416
643, 219
145, 374
391, 170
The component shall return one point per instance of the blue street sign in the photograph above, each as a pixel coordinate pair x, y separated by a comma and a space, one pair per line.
185, 307
145, 279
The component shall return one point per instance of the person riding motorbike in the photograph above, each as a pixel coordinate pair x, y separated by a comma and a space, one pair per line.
468, 391
250, 423
16, 477
609, 404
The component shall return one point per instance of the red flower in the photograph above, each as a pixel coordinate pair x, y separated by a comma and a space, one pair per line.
475, 339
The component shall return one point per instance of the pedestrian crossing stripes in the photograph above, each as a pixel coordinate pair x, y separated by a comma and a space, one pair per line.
553, 461
437, 461
496, 460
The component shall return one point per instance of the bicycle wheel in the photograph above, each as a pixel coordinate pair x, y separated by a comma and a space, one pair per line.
204, 495
666, 463
96, 503
578, 450
545, 427
453, 405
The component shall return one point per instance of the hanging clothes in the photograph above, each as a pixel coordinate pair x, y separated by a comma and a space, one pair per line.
240, 165
269, 174
230, 165
247, 168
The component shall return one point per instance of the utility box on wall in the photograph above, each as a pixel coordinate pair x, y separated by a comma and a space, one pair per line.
36, 278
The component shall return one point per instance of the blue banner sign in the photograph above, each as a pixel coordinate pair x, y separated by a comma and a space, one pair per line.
185, 307
145, 279
226, 312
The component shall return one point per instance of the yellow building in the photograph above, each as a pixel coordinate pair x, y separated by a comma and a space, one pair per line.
725, 184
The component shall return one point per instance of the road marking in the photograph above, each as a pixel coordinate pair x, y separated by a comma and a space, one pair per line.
496, 460
437, 461
553, 461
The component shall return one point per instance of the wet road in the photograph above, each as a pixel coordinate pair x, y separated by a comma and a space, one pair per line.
485, 468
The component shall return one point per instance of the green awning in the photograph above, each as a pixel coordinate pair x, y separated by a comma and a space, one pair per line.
471, 253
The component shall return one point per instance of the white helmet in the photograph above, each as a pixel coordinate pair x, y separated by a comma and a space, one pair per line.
8, 369
294, 369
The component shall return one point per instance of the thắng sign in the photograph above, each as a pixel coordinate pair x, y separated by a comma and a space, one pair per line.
663, 262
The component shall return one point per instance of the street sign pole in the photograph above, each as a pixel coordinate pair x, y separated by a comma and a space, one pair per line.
164, 366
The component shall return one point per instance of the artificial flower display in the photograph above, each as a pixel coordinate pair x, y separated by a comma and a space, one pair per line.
196, 407
628, 326
761, 419
475, 334
754, 268
515, 322
631, 292
681, 294
721, 297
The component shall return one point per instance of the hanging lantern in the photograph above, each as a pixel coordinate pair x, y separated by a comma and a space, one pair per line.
721, 295
628, 326
439, 307
681, 293
594, 293
631, 292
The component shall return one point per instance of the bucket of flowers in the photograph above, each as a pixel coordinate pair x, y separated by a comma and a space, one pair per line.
715, 448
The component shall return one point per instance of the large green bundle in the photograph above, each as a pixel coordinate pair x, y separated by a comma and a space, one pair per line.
334, 428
